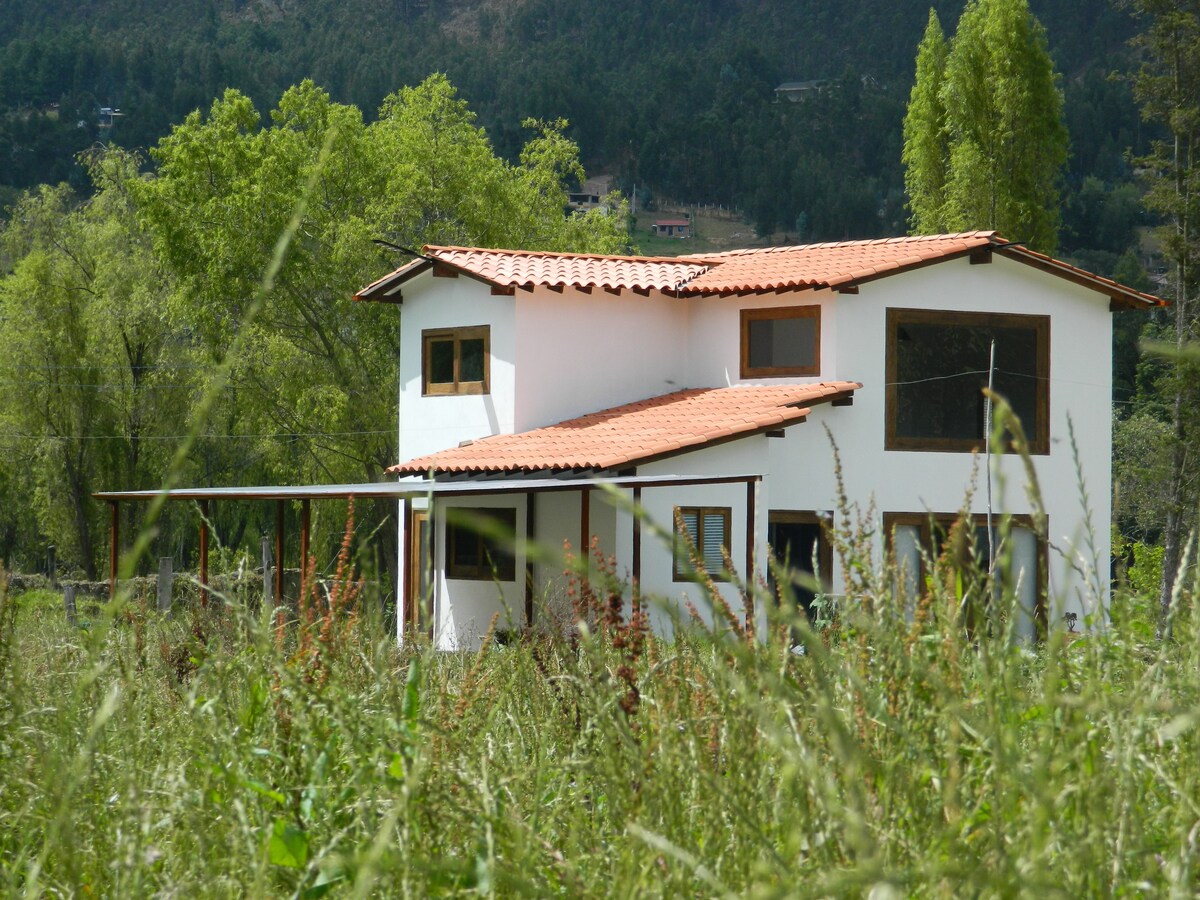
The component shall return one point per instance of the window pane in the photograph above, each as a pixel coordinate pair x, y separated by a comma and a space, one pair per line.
441, 362
1025, 581
783, 343
464, 547
691, 521
942, 370
470, 367
906, 545
714, 539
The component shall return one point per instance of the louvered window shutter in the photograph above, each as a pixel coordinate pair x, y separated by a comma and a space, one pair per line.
714, 539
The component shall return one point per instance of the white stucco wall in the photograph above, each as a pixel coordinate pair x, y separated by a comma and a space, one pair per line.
429, 424
579, 353
714, 357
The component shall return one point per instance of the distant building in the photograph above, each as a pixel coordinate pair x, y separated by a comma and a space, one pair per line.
590, 193
795, 91
673, 228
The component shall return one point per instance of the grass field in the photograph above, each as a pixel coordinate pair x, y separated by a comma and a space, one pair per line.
225, 754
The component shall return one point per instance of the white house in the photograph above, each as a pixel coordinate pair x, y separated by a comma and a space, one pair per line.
704, 386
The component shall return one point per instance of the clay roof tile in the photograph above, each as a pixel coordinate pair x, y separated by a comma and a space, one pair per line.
635, 432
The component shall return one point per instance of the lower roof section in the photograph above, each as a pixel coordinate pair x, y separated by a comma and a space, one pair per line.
419, 487
635, 433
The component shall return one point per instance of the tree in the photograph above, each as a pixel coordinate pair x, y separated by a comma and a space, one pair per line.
314, 395
1005, 142
926, 154
1168, 89
92, 372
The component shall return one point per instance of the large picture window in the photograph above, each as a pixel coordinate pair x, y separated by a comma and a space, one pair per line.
937, 368
479, 544
916, 539
781, 342
707, 528
455, 360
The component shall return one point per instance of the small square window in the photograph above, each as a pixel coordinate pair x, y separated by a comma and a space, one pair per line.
478, 544
708, 529
781, 342
455, 360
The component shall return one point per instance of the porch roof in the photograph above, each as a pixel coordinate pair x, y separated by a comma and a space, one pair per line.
637, 433
417, 487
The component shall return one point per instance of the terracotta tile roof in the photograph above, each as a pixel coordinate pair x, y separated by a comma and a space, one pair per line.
528, 269
831, 265
838, 265
636, 432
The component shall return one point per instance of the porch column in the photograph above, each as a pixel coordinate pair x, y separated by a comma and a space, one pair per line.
530, 531
114, 534
749, 601
203, 554
304, 525
585, 531
404, 591
637, 549
278, 552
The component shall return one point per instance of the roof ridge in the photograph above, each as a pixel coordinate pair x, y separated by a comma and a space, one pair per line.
858, 242
563, 254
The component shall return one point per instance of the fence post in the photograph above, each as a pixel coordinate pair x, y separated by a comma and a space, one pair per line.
52, 566
69, 604
166, 578
268, 572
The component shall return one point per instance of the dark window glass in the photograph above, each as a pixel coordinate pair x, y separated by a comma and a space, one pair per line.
783, 343
942, 370
479, 544
441, 362
471, 361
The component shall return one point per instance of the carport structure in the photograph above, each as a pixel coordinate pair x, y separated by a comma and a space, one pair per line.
406, 491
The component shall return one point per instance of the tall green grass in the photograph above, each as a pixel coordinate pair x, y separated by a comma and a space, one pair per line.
219, 754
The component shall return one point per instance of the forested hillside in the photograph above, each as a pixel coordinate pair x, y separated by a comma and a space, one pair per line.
676, 96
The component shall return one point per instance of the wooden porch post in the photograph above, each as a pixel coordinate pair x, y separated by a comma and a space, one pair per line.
203, 554
530, 508
304, 525
637, 549
114, 533
279, 552
585, 530
749, 603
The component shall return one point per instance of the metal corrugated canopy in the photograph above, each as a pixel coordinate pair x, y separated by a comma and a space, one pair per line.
415, 488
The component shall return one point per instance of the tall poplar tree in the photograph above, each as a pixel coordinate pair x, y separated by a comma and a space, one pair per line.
925, 154
1003, 133
1168, 88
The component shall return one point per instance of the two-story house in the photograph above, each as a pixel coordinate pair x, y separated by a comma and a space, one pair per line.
711, 390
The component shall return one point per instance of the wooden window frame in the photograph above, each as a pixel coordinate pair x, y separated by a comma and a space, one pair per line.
495, 563
430, 388
779, 313
682, 567
926, 521
1038, 438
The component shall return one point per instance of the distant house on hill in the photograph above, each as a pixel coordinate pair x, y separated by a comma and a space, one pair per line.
795, 91
591, 193
673, 228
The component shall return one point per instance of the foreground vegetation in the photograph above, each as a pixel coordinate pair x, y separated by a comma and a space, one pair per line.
222, 753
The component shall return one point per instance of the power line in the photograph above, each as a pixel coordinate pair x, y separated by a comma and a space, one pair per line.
176, 437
